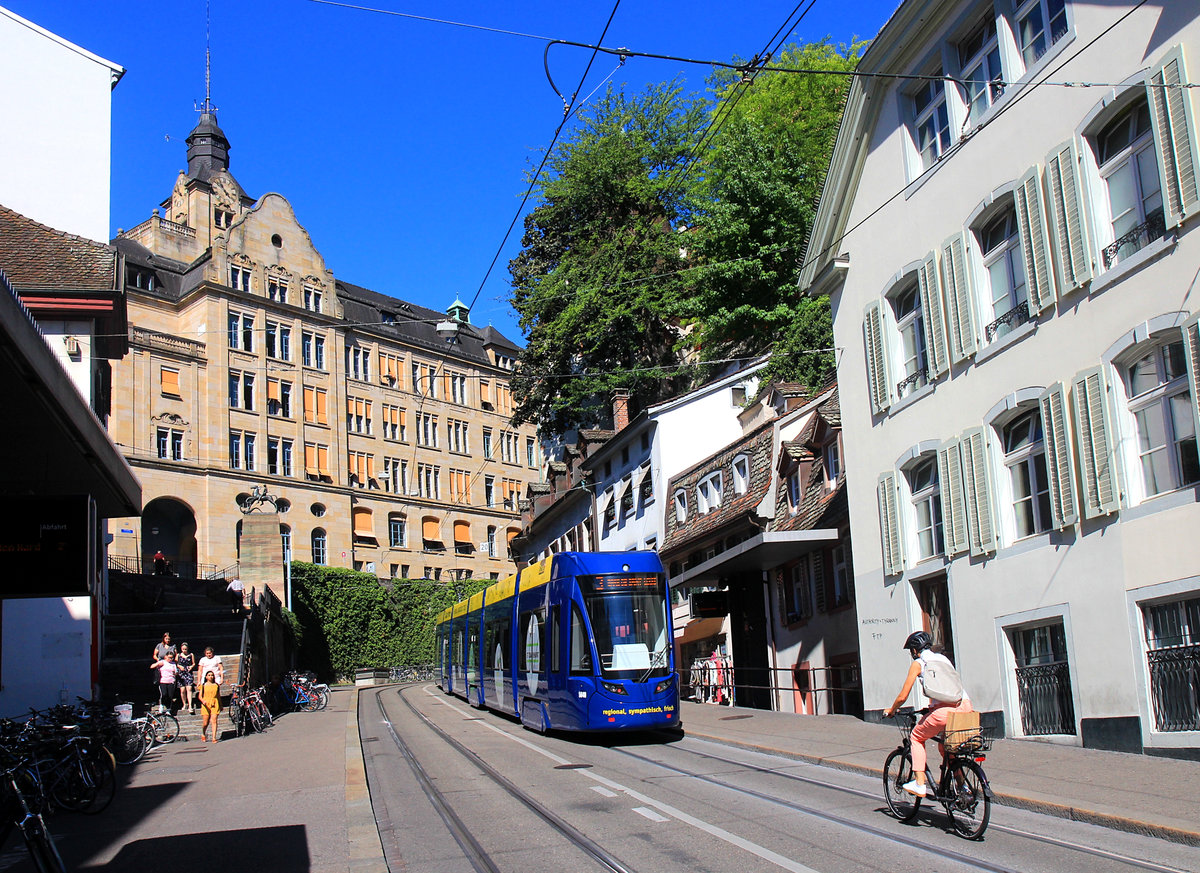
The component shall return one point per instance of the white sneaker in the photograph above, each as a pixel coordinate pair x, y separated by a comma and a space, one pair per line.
915, 788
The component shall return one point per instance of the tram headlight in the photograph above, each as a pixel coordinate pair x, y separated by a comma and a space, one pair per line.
664, 685
614, 688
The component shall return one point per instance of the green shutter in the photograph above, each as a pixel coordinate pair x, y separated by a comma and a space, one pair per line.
879, 380
954, 508
1174, 136
889, 525
1035, 244
1191, 345
978, 491
1097, 470
960, 298
1069, 228
934, 313
1060, 464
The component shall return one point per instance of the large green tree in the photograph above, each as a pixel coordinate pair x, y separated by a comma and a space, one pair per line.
756, 194
598, 283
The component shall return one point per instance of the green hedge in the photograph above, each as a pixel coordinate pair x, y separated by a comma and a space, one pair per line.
350, 620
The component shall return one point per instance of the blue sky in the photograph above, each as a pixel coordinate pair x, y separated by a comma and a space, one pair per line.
401, 143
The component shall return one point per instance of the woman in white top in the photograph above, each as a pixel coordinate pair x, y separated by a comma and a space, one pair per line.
210, 662
940, 683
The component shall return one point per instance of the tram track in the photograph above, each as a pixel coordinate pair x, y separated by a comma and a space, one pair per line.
475, 853
1093, 851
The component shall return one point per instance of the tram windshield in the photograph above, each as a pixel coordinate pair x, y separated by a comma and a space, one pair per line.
628, 614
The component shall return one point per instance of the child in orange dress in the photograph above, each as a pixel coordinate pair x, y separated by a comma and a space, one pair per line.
210, 705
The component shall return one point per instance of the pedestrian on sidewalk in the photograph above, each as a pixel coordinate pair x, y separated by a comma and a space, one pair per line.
213, 663
940, 683
160, 563
167, 670
160, 654
237, 590
185, 678
210, 705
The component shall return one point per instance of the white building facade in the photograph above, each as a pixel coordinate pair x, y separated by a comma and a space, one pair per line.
1010, 241
55, 155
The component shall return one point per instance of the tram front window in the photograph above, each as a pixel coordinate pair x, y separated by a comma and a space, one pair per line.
628, 614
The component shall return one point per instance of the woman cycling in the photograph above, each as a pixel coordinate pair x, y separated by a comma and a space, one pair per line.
941, 684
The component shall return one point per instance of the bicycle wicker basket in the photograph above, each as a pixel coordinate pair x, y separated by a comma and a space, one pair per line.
974, 739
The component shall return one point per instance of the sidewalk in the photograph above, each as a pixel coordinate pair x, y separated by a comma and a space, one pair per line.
1138, 793
294, 798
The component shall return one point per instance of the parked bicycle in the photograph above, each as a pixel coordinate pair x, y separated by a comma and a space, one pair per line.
247, 709
962, 787
15, 796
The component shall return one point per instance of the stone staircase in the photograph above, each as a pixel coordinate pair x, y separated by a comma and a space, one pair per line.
142, 609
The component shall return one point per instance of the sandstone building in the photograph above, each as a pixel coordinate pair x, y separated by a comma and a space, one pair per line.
380, 427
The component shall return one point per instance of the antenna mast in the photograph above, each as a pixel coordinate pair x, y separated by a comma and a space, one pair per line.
207, 107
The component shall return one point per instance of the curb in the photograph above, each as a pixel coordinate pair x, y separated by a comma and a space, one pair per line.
365, 847
1058, 810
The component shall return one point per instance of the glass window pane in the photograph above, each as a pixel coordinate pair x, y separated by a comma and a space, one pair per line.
1143, 375
1122, 199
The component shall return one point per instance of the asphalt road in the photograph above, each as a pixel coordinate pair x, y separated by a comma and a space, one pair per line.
457, 789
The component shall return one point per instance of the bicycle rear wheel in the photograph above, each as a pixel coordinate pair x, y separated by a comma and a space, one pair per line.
128, 743
100, 770
897, 772
972, 807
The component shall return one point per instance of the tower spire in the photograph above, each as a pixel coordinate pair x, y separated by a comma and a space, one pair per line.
208, 149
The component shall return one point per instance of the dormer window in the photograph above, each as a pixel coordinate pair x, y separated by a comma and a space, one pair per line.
833, 461
708, 494
681, 507
741, 474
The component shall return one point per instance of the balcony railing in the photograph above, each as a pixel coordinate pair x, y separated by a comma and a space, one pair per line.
1019, 314
164, 342
1045, 694
1175, 688
1138, 237
915, 379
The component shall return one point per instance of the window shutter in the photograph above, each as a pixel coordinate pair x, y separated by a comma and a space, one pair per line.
310, 460
1191, 345
169, 382
462, 532
1035, 245
1101, 494
1174, 136
429, 528
954, 507
364, 525
1068, 212
310, 405
960, 298
1060, 465
878, 372
323, 460
889, 526
977, 488
781, 592
937, 352
273, 390
370, 466
322, 408
820, 601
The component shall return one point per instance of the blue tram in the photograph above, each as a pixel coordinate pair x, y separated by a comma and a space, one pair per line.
579, 641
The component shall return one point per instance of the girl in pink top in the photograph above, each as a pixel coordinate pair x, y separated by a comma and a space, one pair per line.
167, 669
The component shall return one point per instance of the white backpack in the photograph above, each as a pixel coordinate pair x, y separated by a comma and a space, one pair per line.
939, 680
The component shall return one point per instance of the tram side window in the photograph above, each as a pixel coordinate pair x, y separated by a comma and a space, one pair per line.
552, 633
581, 651
473, 649
531, 656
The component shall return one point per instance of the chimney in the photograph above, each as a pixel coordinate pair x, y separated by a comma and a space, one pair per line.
620, 409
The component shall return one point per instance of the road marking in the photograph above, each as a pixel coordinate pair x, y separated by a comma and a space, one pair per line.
603, 792
650, 814
666, 809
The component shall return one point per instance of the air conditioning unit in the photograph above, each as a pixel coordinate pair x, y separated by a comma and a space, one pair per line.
72, 345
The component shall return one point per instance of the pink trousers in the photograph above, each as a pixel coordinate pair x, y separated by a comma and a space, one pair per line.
930, 725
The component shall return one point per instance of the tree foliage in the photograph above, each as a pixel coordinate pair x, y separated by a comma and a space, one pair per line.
351, 621
607, 286
597, 284
754, 204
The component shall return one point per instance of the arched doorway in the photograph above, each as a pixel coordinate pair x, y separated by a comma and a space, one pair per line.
169, 526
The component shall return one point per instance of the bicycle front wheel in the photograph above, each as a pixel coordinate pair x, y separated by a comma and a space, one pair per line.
128, 743
41, 846
100, 770
971, 807
166, 728
897, 772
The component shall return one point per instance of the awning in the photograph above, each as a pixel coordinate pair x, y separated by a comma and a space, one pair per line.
700, 629
762, 552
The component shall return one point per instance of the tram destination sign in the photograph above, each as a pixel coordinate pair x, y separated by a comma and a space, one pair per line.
633, 582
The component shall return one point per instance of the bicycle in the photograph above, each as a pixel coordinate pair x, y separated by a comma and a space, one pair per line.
962, 787
17, 814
